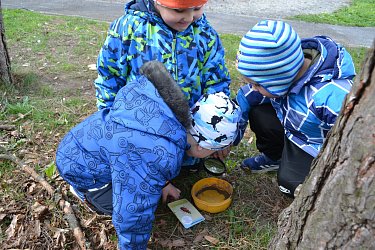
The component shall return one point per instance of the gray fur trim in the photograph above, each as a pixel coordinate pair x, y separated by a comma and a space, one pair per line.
168, 89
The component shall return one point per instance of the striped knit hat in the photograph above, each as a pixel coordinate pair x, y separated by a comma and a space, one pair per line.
270, 54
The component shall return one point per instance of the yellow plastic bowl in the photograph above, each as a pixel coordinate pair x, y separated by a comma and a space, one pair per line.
212, 195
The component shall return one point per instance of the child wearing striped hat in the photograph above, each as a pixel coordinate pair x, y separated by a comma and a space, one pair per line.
294, 93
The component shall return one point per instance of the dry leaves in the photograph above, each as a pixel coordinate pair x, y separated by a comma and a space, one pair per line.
211, 239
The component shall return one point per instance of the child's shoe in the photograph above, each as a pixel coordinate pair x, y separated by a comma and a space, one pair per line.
81, 197
77, 194
260, 164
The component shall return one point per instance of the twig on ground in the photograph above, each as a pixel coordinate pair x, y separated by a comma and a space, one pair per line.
7, 127
64, 205
22, 116
170, 236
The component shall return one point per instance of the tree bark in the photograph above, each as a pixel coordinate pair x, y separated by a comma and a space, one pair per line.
335, 208
5, 70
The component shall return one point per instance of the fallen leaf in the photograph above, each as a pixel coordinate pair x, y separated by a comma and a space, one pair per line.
38, 210
2, 216
199, 237
30, 188
92, 66
207, 217
162, 223
178, 243
37, 230
165, 242
103, 238
87, 223
211, 239
250, 140
13, 226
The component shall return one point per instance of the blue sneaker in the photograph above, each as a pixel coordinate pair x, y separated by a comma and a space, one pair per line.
260, 164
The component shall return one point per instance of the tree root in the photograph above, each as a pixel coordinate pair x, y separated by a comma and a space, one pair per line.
64, 205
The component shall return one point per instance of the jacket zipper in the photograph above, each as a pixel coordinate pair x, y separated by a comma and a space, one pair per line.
174, 60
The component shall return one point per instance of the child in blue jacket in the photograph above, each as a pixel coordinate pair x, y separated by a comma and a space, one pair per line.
174, 32
294, 94
119, 160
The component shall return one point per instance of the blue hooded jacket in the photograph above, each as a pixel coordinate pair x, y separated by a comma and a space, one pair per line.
310, 108
194, 57
137, 145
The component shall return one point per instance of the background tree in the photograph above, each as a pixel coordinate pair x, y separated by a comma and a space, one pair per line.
5, 73
335, 207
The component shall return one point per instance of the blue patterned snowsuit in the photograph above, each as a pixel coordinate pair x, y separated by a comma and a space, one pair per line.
194, 57
311, 107
137, 145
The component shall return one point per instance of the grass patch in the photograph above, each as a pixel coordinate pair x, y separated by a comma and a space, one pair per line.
5, 168
359, 13
55, 44
230, 43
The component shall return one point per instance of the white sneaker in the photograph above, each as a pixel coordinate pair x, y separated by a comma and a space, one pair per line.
77, 194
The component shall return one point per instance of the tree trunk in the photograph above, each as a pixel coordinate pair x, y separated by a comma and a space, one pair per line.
5, 74
335, 208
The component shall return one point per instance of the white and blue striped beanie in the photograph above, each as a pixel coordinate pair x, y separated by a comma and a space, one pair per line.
215, 120
270, 54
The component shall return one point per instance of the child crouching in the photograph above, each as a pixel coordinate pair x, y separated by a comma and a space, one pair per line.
119, 159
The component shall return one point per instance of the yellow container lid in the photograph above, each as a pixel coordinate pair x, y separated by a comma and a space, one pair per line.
212, 194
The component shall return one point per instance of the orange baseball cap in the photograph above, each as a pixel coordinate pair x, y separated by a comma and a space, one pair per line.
181, 4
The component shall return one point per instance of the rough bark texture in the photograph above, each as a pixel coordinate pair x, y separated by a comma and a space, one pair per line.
335, 208
5, 74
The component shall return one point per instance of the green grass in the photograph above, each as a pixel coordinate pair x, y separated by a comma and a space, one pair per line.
6, 167
56, 44
359, 13
230, 43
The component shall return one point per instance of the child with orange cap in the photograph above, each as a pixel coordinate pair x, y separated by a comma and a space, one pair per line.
174, 32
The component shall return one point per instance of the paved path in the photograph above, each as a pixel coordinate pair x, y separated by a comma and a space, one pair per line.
108, 10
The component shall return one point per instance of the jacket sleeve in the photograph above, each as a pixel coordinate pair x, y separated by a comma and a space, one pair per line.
215, 73
245, 108
111, 67
328, 101
246, 98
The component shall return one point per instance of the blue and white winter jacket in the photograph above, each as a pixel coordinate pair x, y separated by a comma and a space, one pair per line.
310, 108
194, 57
137, 145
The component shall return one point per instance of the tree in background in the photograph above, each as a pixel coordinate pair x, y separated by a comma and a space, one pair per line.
335, 206
5, 73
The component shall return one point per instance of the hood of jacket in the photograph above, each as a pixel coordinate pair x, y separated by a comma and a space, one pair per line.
332, 62
139, 106
141, 5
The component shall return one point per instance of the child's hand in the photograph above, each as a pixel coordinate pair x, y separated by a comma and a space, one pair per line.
222, 154
171, 192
